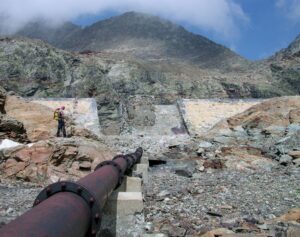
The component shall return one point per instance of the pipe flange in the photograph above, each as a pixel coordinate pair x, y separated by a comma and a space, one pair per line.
128, 161
81, 191
131, 158
116, 166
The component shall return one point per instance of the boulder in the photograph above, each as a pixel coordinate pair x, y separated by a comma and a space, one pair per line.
274, 130
285, 159
224, 140
205, 145
213, 164
294, 116
295, 154
12, 129
217, 232
297, 162
52, 160
291, 215
293, 128
2, 100
245, 158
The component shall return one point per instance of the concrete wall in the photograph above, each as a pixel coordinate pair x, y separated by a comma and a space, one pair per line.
201, 115
167, 122
83, 111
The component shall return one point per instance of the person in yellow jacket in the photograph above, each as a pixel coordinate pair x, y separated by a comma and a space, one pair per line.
60, 117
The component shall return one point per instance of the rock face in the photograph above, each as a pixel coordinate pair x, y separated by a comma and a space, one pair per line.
177, 64
52, 160
38, 120
2, 100
9, 127
258, 137
33, 68
152, 57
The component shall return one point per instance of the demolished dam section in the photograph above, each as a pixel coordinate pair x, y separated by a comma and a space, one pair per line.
187, 117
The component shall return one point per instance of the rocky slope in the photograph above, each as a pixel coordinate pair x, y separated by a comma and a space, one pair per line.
40, 156
140, 35
140, 55
239, 177
33, 68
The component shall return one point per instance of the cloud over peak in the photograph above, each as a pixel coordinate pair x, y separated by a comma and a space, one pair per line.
221, 17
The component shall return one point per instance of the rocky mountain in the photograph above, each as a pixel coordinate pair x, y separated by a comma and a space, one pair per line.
135, 55
284, 66
34, 68
50, 34
140, 35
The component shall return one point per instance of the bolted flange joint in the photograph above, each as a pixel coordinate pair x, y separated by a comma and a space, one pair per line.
116, 166
81, 191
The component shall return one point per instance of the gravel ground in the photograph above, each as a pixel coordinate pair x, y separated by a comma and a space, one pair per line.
15, 199
181, 206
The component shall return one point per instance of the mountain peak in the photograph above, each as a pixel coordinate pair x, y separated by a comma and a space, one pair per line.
143, 36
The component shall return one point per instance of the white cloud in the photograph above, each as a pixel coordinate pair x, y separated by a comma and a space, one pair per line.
222, 17
291, 8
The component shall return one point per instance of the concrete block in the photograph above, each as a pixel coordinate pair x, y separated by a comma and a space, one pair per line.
143, 169
130, 184
144, 160
133, 184
123, 204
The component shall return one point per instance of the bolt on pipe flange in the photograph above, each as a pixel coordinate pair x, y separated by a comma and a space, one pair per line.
81, 191
116, 166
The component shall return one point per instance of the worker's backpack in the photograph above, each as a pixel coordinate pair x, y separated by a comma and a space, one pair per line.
56, 114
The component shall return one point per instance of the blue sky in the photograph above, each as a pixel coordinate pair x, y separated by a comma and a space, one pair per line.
254, 29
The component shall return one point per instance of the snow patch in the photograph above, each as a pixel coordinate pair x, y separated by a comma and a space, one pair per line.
6, 143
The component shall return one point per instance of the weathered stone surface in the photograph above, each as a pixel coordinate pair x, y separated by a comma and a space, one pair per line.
12, 129
295, 154
50, 160
38, 120
285, 159
2, 100
297, 162
217, 232
291, 215
184, 172
294, 116
213, 164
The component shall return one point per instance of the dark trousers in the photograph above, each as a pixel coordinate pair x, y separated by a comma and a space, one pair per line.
61, 127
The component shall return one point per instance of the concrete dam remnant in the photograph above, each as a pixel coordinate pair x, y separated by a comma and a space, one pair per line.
83, 111
189, 116
200, 115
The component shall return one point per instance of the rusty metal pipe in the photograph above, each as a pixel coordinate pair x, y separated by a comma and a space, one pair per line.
72, 209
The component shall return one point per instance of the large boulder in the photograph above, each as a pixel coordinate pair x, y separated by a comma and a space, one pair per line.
274, 112
12, 129
2, 100
52, 160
